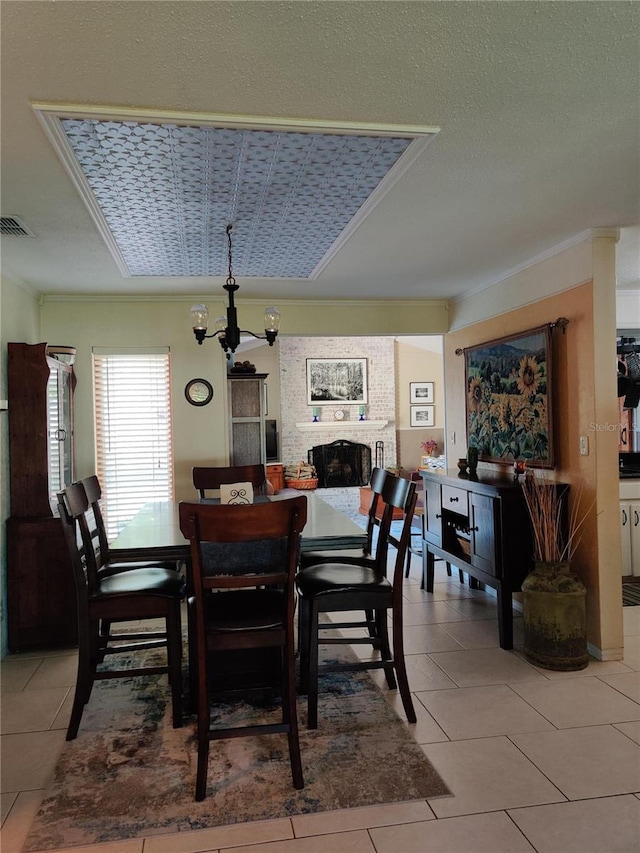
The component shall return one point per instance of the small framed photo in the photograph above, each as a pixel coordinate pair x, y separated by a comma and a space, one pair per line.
421, 392
422, 416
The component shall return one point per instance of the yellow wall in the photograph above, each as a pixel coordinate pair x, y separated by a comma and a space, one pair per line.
576, 412
415, 363
200, 434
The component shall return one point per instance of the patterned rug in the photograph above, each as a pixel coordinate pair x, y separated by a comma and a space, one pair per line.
129, 773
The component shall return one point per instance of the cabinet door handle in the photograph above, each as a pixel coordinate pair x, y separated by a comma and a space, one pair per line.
454, 500
623, 436
438, 515
636, 518
473, 529
61, 434
624, 517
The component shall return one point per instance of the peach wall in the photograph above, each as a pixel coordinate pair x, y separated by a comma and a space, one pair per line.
576, 413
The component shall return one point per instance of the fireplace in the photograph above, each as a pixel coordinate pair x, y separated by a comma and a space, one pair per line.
341, 463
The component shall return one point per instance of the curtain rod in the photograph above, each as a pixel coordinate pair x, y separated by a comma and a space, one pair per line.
560, 323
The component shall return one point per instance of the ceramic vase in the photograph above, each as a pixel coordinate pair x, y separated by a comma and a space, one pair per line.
555, 622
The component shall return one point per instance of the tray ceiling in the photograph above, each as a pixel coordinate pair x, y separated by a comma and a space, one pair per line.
162, 193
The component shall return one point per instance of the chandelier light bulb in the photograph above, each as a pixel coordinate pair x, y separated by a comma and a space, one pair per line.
271, 319
199, 316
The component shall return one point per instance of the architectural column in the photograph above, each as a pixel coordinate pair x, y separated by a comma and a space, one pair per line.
604, 438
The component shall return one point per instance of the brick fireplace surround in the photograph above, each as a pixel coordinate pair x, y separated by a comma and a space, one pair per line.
297, 430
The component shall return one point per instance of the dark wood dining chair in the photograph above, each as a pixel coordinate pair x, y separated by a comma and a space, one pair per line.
108, 566
243, 560
138, 594
205, 479
312, 558
361, 586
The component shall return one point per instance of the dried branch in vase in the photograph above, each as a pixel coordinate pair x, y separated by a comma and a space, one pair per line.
553, 541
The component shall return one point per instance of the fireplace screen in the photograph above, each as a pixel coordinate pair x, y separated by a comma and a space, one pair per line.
341, 463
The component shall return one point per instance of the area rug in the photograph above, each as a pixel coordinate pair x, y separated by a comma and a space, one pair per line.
129, 773
630, 594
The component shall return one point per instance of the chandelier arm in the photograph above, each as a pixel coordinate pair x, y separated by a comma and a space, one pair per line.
229, 337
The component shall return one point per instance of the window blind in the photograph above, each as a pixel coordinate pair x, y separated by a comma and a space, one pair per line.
134, 448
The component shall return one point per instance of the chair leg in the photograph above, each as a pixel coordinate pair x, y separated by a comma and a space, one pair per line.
174, 657
312, 668
203, 766
203, 726
385, 651
84, 683
303, 644
290, 715
401, 670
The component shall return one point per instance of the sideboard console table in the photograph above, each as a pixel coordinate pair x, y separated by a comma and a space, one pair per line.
482, 527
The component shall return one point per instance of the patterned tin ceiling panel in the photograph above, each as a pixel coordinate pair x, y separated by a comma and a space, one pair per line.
167, 193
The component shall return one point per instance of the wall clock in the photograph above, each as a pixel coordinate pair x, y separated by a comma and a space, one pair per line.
198, 392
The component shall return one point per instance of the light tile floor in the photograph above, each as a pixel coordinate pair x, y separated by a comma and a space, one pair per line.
536, 760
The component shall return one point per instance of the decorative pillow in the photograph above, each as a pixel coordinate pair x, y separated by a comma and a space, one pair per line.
236, 493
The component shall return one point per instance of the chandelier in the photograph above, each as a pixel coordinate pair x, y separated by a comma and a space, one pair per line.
226, 328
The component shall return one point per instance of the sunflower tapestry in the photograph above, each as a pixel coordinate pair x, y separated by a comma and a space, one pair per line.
508, 388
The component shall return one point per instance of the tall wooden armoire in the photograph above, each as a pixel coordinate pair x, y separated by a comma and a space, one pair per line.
41, 591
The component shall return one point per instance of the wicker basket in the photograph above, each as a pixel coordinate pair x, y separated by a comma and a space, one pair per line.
302, 485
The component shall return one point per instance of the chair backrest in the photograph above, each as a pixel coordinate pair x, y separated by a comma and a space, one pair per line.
378, 477
397, 493
93, 491
73, 506
212, 478
243, 546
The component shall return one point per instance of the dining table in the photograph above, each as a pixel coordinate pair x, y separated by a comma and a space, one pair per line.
154, 534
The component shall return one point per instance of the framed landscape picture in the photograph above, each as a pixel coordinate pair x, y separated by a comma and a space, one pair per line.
336, 380
508, 398
422, 416
421, 392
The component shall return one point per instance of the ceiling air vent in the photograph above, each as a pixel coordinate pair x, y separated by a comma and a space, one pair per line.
11, 226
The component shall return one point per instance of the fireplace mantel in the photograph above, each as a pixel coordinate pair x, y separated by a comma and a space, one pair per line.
344, 426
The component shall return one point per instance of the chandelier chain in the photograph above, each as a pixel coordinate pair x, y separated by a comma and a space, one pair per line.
230, 278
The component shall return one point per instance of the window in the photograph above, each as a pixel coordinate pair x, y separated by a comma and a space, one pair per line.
134, 456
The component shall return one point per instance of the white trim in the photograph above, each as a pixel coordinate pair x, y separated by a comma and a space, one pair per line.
343, 426
241, 122
408, 157
130, 350
582, 237
605, 655
62, 147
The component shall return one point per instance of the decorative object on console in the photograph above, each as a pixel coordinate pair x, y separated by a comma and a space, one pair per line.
472, 461
242, 367
316, 412
226, 328
361, 412
508, 385
422, 416
519, 467
554, 599
429, 446
336, 380
339, 414
421, 392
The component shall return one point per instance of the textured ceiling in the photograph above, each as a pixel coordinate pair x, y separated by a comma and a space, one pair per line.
166, 193
537, 105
